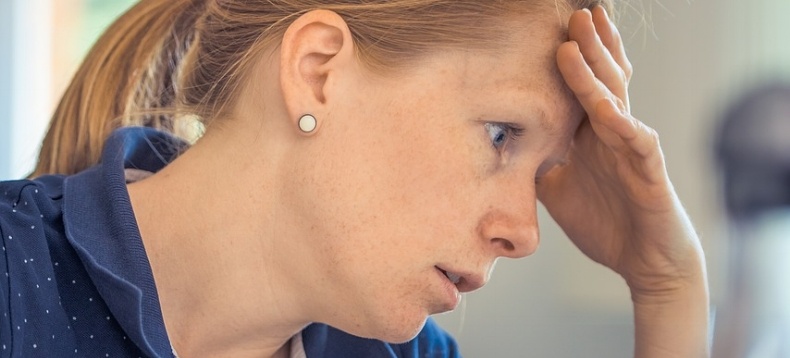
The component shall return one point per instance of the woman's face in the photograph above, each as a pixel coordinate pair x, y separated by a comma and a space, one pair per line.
427, 172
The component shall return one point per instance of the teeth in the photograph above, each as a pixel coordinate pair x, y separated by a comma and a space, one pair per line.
453, 277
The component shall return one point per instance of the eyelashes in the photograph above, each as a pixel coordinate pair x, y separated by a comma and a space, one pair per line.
501, 133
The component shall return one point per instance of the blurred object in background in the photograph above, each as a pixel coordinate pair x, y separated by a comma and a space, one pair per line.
753, 149
42, 42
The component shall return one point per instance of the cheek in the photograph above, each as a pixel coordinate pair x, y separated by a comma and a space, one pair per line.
393, 201
401, 175
381, 207
377, 209
433, 180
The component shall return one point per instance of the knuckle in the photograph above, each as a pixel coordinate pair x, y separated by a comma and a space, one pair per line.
653, 135
593, 61
628, 69
620, 104
622, 74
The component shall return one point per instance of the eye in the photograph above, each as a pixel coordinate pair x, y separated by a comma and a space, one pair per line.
500, 133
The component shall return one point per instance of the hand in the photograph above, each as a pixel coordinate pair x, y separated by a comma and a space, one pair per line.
613, 198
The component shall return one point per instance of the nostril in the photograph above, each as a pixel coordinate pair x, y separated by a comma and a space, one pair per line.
512, 236
520, 244
504, 244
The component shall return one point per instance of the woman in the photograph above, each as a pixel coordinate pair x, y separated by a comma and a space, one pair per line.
363, 164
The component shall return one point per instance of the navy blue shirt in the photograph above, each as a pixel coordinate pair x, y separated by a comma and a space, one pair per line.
76, 280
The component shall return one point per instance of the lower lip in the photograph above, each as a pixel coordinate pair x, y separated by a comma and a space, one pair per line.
451, 296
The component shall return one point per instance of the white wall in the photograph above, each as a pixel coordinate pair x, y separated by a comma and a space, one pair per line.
25, 109
6, 36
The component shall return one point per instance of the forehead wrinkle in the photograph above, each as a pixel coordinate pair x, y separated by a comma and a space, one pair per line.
557, 111
547, 99
556, 94
552, 110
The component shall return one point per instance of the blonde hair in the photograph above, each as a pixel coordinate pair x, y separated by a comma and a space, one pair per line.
168, 59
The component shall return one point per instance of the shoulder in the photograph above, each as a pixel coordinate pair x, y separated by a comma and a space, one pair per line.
25, 203
30, 217
18, 194
432, 342
30, 213
30, 221
27, 207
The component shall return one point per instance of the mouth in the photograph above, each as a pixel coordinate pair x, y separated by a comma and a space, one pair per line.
465, 282
453, 277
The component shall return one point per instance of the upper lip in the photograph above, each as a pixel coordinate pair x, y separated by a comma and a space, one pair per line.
468, 282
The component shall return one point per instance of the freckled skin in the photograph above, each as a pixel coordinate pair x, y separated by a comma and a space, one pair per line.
348, 224
403, 177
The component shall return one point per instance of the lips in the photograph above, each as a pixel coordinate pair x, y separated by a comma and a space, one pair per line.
465, 282
453, 277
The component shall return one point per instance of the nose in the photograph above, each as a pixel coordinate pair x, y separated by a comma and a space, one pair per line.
511, 231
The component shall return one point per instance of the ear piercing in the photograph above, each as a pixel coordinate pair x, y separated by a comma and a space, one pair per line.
307, 123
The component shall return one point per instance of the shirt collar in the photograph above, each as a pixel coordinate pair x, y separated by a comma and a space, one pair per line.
100, 224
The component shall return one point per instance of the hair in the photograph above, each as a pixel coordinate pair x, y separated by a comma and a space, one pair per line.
167, 63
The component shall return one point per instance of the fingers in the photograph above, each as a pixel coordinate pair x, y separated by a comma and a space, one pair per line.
608, 113
631, 135
612, 40
589, 91
580, 77
583, 29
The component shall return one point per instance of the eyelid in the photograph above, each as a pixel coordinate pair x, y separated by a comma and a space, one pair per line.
514, 131
511, 125
511, 131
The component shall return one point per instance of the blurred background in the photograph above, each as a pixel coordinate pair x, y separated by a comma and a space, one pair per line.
692, 60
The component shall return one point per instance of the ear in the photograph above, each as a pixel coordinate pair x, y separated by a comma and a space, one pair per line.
315, 50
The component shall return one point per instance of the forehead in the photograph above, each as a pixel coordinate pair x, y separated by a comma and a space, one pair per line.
522, 74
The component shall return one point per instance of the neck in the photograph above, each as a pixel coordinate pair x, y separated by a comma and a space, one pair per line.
227, 282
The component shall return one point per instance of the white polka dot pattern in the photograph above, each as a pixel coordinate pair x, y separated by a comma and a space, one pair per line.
42, 317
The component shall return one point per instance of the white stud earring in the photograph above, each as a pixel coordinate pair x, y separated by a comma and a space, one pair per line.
307, 123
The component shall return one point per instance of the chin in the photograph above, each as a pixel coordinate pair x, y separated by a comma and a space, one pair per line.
401, 333
391, 327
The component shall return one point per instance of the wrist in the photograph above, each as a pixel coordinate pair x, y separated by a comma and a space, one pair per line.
691, 283
674, 321
670, 273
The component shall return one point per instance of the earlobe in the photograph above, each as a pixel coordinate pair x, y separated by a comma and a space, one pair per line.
315, 48
307, 123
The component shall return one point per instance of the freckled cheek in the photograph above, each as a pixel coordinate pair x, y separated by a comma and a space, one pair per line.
438, 192
412, 176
